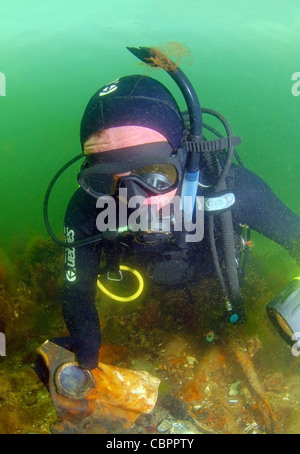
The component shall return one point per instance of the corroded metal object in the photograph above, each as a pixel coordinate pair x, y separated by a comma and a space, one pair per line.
107, 399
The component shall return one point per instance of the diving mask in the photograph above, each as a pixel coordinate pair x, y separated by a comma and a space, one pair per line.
146, 170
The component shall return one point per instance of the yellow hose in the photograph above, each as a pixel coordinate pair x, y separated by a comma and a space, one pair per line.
124, 299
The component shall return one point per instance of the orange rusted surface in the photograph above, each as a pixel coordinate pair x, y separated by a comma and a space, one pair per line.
118, 397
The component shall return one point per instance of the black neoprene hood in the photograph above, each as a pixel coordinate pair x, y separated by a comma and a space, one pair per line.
133, 101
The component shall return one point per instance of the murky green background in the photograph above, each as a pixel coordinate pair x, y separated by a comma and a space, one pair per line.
56, 54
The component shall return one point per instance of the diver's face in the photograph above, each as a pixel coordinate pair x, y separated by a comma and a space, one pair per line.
121, 137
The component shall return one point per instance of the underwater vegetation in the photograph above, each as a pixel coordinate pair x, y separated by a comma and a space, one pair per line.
212, 379
30, 282
6, 306
29, 309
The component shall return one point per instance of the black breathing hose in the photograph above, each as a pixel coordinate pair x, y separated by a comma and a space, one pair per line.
93, 239
231, 289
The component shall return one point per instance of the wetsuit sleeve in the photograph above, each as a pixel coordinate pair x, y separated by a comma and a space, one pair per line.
81, 271
259, 207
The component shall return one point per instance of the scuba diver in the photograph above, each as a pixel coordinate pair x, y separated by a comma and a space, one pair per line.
139, 146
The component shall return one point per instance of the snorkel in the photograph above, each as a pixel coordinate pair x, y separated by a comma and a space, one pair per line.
155, 58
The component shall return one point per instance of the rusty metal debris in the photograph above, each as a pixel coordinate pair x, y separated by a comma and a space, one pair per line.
112, 403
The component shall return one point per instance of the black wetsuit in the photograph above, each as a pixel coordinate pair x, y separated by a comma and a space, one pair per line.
255, 205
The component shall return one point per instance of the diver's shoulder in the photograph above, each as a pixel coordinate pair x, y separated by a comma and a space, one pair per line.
80, 200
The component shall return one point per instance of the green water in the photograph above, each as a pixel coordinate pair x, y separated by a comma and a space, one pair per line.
55, 55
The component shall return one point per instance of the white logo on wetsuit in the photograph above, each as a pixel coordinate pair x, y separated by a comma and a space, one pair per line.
69, 234
109, 88
71, 276
70, 255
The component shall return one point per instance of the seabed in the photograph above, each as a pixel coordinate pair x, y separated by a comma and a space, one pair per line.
214, 378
